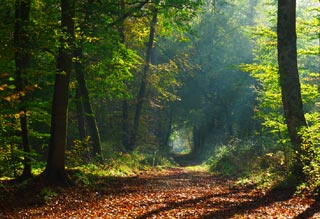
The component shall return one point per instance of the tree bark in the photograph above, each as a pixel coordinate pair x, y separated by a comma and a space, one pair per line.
55, 170
22, 59
125, 126
80, 115
198, 142
167, 132
92, 128
289, 75
143, 84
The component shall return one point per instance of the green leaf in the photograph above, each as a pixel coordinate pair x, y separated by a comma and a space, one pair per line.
12, 86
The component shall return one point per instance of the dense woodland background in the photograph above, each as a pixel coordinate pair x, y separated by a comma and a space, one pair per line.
125, 84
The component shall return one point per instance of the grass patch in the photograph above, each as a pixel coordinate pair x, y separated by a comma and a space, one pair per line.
199, 168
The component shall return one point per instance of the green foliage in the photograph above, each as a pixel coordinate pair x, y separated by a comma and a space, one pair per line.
47, 193
265, 69
311, 155
163, 80
194, 80
117, 164
255, 162
156, 159
38, 167
79, 153
221, 99
232, 159
125, 163
11, 154
9, 162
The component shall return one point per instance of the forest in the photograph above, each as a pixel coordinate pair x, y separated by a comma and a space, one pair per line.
160, 109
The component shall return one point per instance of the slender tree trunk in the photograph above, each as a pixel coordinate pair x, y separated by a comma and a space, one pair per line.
289, 76
22, 57
198, 142
80, 115
92, 128
143, 84
168, 131
125, 126
55, 170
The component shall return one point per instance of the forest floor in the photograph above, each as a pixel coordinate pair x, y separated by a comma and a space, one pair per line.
167, 193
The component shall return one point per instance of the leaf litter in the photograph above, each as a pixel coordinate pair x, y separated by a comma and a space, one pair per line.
173, 193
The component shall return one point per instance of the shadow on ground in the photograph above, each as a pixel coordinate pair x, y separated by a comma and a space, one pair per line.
184, 160
174, 193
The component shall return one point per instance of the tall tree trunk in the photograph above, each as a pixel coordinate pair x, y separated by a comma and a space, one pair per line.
167, 132
22, 58
198, 142
143, 84
55, 170
125, 126
289, 75
92, 128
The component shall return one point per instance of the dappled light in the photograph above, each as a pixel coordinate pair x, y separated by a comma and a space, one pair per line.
159, 109
167, 193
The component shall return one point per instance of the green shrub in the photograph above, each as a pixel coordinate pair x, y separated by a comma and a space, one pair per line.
11, 158
47, 194
79, 153
248, 159
311, 155
234, 158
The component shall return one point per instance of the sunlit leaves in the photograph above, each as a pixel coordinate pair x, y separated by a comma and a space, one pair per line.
265, 68
311, 155
136, 32
113, 73
164, 80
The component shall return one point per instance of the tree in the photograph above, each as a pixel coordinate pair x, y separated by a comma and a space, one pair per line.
84, 100
125, 117
143, 84
289, 75
55, 169
220, 106
22, 57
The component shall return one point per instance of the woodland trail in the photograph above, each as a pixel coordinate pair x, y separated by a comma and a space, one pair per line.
170, 193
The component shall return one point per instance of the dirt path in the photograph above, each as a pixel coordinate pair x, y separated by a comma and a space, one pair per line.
174, 193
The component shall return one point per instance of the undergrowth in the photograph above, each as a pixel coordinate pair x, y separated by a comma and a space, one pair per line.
261, 163
268, 163
87, 170
311, 156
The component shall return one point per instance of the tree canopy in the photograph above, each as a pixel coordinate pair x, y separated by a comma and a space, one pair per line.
234, 84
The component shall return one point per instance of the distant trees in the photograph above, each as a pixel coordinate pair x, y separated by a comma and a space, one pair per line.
22, 63
130, 75
104, 44
221, 104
